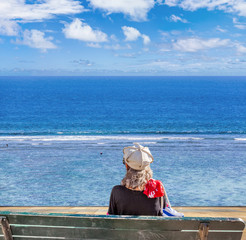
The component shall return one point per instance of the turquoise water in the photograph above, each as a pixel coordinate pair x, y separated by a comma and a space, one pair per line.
54, 129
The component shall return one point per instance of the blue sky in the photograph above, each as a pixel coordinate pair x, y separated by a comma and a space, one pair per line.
123, 37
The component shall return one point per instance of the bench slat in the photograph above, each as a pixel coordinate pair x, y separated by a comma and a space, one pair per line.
224, 236
119, 234
103, 222
127, 223
79, 233
47, 238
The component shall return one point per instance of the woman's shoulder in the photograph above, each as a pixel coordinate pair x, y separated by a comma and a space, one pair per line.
124, 190
118, 188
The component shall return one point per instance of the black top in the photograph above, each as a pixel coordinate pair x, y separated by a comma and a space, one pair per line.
124, 201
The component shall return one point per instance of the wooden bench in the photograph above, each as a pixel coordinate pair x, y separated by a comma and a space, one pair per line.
28, 226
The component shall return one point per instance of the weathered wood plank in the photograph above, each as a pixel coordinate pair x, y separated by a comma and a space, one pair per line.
1, 231
119, 223
40, 238
137, 235
80, 233
5, 228
47, 238
231, 224
154, 223
224, 236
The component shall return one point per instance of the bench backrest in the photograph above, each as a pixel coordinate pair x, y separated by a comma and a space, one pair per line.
23, 226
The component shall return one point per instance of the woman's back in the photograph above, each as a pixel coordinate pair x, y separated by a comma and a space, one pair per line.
124, 201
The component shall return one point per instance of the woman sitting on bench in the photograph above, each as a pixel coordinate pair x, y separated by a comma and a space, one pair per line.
138, 193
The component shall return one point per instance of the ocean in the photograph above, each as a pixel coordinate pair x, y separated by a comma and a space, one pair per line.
61, 138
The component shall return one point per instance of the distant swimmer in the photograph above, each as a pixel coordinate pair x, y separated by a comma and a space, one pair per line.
4, 146
101, 153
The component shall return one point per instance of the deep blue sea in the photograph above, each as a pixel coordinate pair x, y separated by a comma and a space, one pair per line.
61, 138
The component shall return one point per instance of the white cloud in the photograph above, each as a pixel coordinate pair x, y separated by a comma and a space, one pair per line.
218, 28
136, 9
9, 28
165, 49
113, 47
234, 20
240, 26
39, 10
36, 39
241, 49
114, 38
193, 5
171, 3
239, 7
127, 55
13, 12
174, 18
235, 6
117, 47
146, 39
94, 45
132, 34
197, 44
83, 32
84, 62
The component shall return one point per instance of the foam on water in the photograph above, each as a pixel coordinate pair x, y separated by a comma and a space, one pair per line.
78, 138
183, 138
149, 143
98, 138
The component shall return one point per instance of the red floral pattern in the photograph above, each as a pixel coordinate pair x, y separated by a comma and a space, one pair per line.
154, 189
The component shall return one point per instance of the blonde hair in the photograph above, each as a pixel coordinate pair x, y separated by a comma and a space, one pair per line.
137, 178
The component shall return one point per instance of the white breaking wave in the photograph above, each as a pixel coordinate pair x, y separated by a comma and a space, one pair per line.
77, 138
240, 139
183, 138
145, 139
